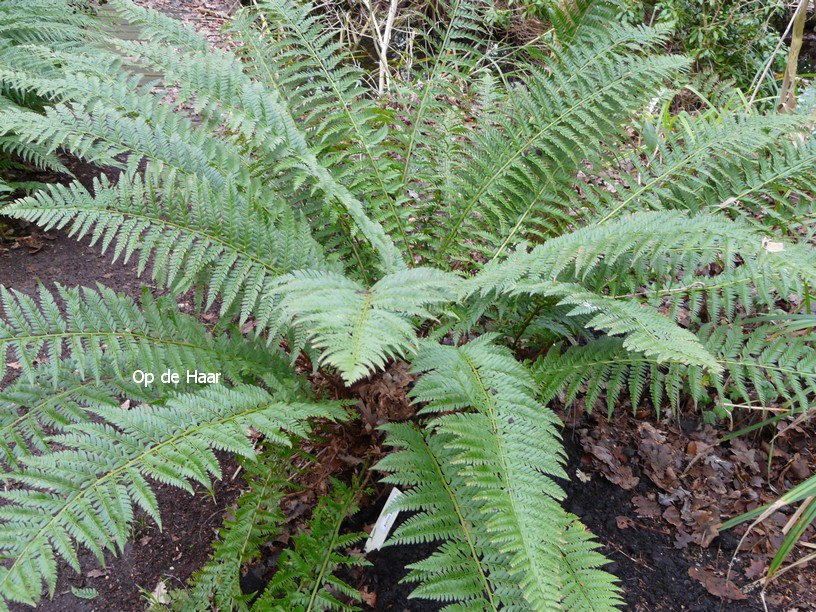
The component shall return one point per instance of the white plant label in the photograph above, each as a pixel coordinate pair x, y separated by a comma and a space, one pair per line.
772, 246
383, 525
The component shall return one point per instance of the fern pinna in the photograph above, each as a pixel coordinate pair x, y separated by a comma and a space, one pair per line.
286, 194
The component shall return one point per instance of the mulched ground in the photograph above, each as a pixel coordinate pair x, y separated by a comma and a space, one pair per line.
671, 483
152, 557
652, 491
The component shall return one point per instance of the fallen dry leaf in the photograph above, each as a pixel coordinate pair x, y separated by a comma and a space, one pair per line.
624, 522
672, 515
682, 539
755, 569
583, 476
159, 594
368, 597
716, 585
617, 473
646, 507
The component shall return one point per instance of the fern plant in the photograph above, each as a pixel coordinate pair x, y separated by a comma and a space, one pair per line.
315, 217
33, 37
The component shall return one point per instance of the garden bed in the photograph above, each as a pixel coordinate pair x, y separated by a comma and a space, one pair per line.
654, 490
653, 571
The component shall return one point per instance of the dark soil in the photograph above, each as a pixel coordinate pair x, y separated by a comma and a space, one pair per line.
170, 555
652, 572
53, 257
388, 566
35, 256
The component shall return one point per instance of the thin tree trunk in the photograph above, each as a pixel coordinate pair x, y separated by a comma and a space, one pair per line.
787, 95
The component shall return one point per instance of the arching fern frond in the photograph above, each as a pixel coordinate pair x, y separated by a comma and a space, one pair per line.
686, 158
531, 158
318, 72
110, 334
770, 190
762, 367
580, 20
28, 410
478, 460
460, 570
85, 494
585, 586
45, 22
100, 133
60, 396
660, 255
186, 229
298, 156
644, 328
160, 27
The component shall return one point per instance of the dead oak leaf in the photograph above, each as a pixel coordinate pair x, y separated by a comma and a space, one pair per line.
716, 585
682, 539
646, 507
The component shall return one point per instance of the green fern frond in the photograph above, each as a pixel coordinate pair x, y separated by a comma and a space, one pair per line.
770, 190
46, 22
305, 577
762, 367
358, 329
454, 29
108, 332
458, 570
660, 255
267, 108
159, 27
28, 410
528, 162
256, 517
313, 68
644, 328
482, 465
60, 396
585, 586
687, 158
85, 495
580, 20
186, 229
100, 133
